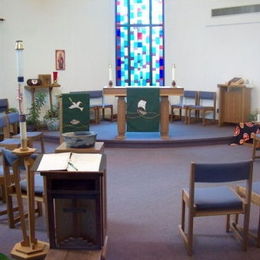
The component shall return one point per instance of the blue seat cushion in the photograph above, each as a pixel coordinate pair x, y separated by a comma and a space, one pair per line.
11, 141
1, 170
38, 185
216, 198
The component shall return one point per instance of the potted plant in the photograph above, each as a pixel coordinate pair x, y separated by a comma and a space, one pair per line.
52, 119
33, 117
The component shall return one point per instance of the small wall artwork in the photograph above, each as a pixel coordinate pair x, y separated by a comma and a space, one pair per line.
60, 59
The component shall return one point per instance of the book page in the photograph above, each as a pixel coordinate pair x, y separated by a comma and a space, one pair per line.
54, 162
84, 162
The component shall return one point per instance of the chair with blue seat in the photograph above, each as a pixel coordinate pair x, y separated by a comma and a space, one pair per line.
206, 104
217, 200
189, 97
15, 187
9, 143
255, 199
13, 120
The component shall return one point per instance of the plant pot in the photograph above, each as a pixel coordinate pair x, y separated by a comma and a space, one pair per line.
53, 124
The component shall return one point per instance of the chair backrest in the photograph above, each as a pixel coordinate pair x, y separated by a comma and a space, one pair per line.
190, 97
4, 105
207, 95
221, 172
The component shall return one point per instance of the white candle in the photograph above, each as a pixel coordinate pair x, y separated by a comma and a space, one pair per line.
173, 72
110, 77
19, 62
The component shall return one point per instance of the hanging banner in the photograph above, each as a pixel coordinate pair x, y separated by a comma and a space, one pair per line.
143, 109
75, 112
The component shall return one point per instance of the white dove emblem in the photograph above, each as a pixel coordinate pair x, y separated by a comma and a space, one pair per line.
75, 105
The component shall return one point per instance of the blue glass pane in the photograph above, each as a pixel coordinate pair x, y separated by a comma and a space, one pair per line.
121, 11
140, 56
157, 56
122, 64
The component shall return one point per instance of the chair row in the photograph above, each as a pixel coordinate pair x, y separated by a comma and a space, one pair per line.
199, 102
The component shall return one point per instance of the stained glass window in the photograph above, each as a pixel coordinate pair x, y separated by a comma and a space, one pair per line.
139, 42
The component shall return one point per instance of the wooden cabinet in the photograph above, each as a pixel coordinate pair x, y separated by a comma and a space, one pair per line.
234, 103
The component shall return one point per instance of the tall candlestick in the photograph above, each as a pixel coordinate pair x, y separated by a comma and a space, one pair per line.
173, 72
20, 78
110, 76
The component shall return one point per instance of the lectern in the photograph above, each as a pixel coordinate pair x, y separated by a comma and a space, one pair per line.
76, 208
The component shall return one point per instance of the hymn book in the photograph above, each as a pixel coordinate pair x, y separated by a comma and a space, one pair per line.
70, 162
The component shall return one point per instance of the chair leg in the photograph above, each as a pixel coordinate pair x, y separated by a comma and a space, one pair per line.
254, 149
245, 231
228, 223
258, 232
3, 193
42, 144
190, 233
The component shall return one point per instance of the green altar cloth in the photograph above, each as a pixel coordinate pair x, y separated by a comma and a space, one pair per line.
143, 109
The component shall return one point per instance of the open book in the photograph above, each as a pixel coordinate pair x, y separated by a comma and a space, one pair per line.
70, 162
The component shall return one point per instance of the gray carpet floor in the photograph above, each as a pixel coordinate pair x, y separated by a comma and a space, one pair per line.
144, 199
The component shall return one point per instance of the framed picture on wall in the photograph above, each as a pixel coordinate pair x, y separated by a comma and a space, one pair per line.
60, 59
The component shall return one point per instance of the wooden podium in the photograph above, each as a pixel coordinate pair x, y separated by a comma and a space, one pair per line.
234, 104
76, 210
120, 92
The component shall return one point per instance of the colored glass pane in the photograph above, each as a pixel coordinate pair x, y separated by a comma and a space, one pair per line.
139, 56
157, 56
122, 63
157, 13
121, 11
139, 42
139, 11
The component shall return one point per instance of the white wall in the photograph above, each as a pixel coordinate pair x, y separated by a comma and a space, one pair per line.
206, 50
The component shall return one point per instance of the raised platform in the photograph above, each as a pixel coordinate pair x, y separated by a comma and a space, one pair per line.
180, 135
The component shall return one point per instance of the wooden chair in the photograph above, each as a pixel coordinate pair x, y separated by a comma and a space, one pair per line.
255, 199
216, 200
98, 104
189, 97
12, 166
9, 143
201, 108
256, 146
13, 120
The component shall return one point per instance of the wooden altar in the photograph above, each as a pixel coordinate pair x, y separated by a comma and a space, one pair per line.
120, 93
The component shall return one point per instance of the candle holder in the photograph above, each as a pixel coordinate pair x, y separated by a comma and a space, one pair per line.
110, 83
29, 247
173, 83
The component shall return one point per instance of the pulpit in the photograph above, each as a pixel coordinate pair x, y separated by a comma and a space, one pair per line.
76, 207
120, 93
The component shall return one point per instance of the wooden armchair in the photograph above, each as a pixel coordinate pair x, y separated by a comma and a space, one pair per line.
216, 200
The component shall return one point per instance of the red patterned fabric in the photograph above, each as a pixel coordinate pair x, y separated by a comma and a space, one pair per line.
245, 132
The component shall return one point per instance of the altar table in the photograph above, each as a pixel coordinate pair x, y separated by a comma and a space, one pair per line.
120, 93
